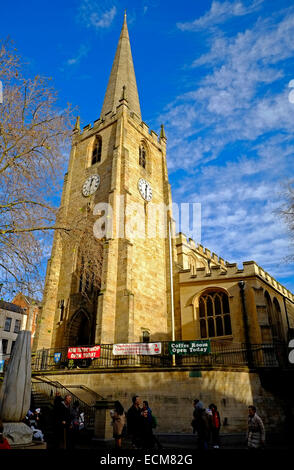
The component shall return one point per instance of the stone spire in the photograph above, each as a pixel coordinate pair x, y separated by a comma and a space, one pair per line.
122, 74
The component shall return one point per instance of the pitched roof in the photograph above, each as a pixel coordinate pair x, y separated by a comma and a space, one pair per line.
11, 307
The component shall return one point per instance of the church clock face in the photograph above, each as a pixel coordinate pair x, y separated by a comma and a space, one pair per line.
145, 189
91, 185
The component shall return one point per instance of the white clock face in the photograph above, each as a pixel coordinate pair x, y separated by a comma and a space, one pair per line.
91, 185
145, 189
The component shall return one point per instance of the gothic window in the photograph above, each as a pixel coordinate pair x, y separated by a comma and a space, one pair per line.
277, 320
142, 156
96, 152
214, 315
274, 317
86, 278
61, 306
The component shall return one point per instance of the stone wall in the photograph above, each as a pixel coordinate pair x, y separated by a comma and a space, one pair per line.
171, 393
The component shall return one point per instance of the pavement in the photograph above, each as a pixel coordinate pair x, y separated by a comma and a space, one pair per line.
189, 442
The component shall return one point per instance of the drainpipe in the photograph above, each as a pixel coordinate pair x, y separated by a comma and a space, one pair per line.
171, 290
241, 285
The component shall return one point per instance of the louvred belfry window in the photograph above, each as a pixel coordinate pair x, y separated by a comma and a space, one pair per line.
142, 156
96, 152
214, 315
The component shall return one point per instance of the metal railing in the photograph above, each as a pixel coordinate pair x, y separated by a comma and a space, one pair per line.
223, 353
48, 389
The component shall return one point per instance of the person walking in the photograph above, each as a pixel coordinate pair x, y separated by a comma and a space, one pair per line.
151, 420
63, 422
134, 422
201, 424
146, 430
256, 430
215, 426
118, 422
146, 407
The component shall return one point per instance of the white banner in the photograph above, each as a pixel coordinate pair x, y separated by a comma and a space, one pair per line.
136, 348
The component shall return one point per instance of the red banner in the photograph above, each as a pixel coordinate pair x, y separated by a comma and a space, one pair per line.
84, 353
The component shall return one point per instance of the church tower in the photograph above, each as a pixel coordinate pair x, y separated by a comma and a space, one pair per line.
117, 170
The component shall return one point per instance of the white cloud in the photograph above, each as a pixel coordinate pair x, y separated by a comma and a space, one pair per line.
240, 203
220, 12
93, 15
238, 98
82, 52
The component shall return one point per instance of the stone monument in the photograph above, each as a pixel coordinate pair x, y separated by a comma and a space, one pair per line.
15, 395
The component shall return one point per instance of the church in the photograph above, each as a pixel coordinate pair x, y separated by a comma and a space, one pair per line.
155, 286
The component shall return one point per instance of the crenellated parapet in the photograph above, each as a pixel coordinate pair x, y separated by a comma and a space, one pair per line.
218, 269
100, 124
188, 248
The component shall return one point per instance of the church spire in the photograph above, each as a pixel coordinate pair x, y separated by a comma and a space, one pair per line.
122, 74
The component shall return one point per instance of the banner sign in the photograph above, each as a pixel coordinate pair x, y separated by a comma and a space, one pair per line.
84, 353
189, 347
57, 357
139, 349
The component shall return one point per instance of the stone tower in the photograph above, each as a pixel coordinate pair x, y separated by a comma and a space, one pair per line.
128, 163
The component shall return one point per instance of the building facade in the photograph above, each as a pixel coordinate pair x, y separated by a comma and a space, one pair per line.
13, 319
31, 307
155, 285
118, 168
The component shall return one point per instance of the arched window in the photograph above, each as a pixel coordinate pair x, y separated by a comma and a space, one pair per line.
277, 330
96, 152
142, 156
214, 315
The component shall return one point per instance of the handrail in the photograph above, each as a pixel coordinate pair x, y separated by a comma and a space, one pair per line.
87, 389
88, 409
59, 385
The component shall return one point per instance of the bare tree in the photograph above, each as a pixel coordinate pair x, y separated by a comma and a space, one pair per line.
34, 141
87, 250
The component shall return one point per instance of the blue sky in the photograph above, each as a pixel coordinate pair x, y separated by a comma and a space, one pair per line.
216, 73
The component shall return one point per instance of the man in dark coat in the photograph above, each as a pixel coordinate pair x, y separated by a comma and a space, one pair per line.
201, 424
63, 422
134, 423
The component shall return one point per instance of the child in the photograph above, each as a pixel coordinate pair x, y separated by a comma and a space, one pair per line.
4, 444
